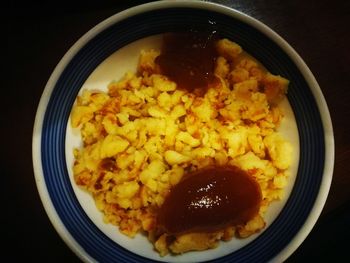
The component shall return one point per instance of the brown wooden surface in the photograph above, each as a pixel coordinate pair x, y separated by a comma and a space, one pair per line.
38, 35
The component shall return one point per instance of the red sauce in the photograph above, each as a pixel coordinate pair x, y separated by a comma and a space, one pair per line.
98, 185
189, 60
108, 164
209, 200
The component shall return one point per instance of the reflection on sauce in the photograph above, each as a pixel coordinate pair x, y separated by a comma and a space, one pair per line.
209, 200
189, 60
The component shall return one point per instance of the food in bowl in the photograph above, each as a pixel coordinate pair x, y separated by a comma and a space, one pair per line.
168, 150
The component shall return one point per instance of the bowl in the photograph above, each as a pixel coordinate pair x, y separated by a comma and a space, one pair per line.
110, 49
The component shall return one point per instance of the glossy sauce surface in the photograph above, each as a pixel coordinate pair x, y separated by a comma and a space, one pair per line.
209, 200
189, 60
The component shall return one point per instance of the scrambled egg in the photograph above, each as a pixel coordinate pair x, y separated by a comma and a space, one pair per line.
143, 135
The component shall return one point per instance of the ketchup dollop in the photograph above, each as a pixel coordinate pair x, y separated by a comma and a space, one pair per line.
188, 58
210, 199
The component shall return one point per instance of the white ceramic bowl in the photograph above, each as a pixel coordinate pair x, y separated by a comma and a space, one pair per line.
111, 48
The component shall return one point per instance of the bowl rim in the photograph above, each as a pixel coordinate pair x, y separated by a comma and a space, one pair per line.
132, 11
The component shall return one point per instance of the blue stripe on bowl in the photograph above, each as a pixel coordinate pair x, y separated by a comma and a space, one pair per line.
312, 148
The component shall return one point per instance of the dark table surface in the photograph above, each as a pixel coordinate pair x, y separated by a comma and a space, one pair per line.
38, 35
